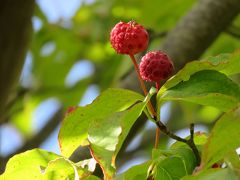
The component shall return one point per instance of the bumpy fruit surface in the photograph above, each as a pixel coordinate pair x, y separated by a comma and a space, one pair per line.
155, 66
129, 38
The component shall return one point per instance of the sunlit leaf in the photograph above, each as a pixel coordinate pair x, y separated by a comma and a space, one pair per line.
28, 165
106, 136
223, 138
74, 129
136, 172
213, 174
60, 168
233, 161
91, 177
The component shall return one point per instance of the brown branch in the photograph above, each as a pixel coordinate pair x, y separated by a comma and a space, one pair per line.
37, 139
15, 20
194, 33
193, 145
198, 29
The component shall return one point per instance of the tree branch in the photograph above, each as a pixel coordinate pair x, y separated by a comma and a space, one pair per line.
198, 29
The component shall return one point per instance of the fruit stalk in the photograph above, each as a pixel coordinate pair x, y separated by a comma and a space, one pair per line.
144, 89
157, 134
152, 111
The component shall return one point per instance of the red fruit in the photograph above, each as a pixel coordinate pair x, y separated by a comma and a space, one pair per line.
155, 66
129, 38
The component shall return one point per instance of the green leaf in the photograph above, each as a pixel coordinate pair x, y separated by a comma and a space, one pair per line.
206, 87
187, 156
91, 177
213, 174
28, 165
161, 173
225, 63
172, 168
74, 129
223, 138
40, 164
60, 168
233, 161
135, 173
173, 163
225, 43
106, 136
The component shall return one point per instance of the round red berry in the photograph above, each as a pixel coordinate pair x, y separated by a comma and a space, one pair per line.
155, 66
129, 38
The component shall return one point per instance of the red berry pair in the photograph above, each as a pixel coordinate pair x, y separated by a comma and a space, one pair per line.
131, 38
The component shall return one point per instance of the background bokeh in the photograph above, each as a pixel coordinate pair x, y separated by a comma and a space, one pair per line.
70, 61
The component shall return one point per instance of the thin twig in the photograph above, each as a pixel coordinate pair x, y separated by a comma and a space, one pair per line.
157, 134
189, 142
193, 145
167, 132
192, 131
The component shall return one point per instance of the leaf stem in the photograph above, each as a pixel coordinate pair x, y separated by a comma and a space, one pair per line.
157, 134
138, 73
157, 85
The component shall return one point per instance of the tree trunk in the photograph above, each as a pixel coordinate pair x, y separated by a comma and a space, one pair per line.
15, 20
